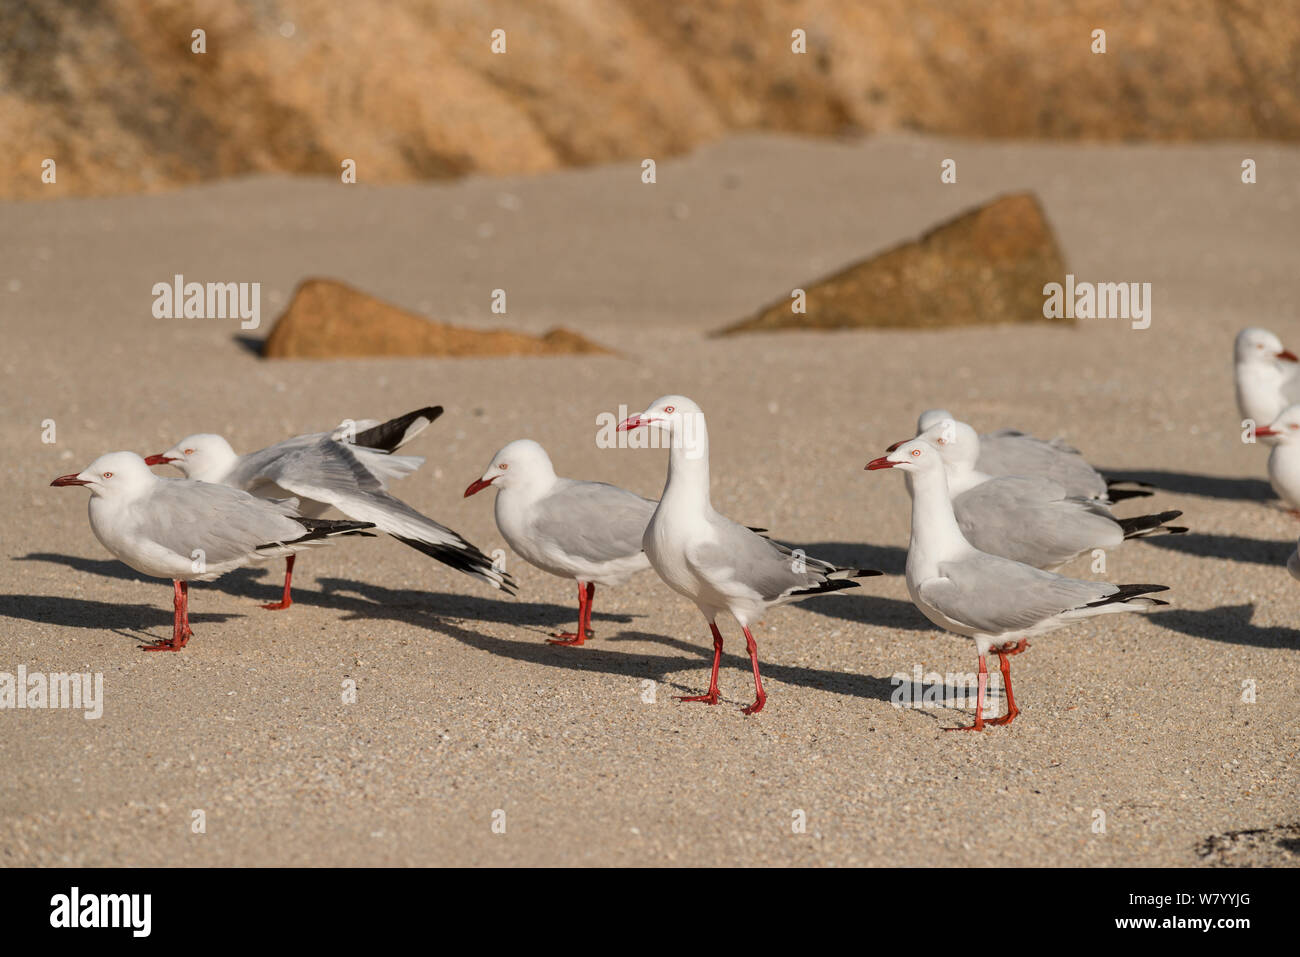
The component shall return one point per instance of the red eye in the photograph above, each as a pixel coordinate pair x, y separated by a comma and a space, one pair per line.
108, 475
668, 409
503, 466
915, 452
189, 451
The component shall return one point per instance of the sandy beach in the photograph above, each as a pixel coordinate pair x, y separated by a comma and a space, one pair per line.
463, 710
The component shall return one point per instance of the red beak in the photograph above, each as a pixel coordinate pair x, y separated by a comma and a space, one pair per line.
158, 460
477, 485
1265, 430
1288, 355
631, 422
894, 447
68, 480
881, 463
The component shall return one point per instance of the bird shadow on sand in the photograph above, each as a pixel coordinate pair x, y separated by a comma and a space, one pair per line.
360, 599
852, 606
839, 682
420, 607
259, 584
134, 622
1232, 548
241, 581
1229, 623
1189, 483
447, 613
857, 604
598, 655
889, 559
262, 583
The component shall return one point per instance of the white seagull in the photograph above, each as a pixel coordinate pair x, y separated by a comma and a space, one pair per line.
1027, 519
587, 531
1283, 433
189, 531
1012, 452
996, 601
343, 470
719, 564
1266, 375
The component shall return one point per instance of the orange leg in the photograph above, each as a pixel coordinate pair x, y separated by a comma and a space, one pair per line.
286, 601
586, 592
181, 633
1012, 710
761, 698
712, 696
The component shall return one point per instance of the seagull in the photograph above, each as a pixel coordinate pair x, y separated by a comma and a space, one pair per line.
588, 531
1283, 434
717, 563
1012, 452
346, 469
1027, 519
189, 531
998, 602
1266, 375
1293, 562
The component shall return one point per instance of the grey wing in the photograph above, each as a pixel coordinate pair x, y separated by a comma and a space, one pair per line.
1009, 452
995, 595
333, 472
322, 461
593, 520
1033, 521
323, 464
769, 568
224, 523
255, 471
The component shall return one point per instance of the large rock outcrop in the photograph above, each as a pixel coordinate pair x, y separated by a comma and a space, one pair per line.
987, 265
410, 89
331, 320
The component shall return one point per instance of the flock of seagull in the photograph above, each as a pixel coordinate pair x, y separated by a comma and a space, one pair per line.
993, 516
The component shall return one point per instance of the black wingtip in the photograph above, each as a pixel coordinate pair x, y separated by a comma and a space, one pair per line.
469, 560
1120, 494
866, 572
1146, 523
1127, 592
318, 528
391, 435
830, 584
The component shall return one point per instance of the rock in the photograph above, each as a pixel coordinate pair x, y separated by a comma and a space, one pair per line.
113, 92
987, 265
328, 320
